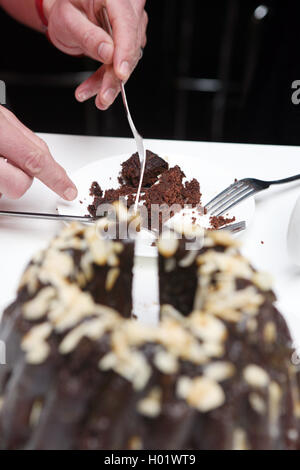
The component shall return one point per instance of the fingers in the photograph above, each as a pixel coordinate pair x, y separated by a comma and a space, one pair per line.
125, 25
142, 15
76, 29
91, 86
109, 90
34, 159
103, 83
13, 182
27, 132
144, 25
138, 6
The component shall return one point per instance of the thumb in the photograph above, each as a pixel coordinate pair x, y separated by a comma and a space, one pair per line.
71, 29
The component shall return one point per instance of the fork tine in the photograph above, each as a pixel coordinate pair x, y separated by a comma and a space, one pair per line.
235, 202
230, 197
223, 194
227, 201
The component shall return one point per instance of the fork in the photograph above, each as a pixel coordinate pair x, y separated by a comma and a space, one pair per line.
239, 191
104, 20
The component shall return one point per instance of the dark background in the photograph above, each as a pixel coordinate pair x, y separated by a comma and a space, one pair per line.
211, 71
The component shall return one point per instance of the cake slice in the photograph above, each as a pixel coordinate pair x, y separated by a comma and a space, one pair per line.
131, 170
165, 191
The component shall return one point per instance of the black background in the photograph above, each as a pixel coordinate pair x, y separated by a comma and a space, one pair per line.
254, 63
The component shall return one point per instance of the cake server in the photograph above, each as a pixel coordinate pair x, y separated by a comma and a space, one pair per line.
137, 136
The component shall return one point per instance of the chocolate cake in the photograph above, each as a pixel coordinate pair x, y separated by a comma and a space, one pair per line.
129, 181
170, 194
181, 283
131, 170
80, 256
178, 270
164, 191
126, 194
79, 375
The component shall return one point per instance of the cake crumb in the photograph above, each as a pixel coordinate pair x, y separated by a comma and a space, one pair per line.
220, 221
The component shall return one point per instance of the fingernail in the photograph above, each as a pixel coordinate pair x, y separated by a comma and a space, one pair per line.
83, 96
105, 51
109, 96
70, 194
124, 70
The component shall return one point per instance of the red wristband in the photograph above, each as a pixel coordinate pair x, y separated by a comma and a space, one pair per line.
40, 9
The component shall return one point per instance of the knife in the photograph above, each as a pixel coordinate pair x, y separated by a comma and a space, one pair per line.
138, 138
233, 228
43, 216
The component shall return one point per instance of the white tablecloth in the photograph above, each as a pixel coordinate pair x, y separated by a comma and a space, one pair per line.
19, 239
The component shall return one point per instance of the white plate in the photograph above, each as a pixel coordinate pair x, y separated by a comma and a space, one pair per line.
106, 171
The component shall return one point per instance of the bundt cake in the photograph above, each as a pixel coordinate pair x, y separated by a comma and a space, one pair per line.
214, 373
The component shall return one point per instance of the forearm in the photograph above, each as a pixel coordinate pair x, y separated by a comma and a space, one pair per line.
25, 11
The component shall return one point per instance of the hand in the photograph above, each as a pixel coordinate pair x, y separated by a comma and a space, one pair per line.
74, 28
25, 156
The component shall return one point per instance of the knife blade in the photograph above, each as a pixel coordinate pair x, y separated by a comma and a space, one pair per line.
43, 216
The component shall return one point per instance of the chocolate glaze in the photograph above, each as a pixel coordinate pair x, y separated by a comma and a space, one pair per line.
86, 397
